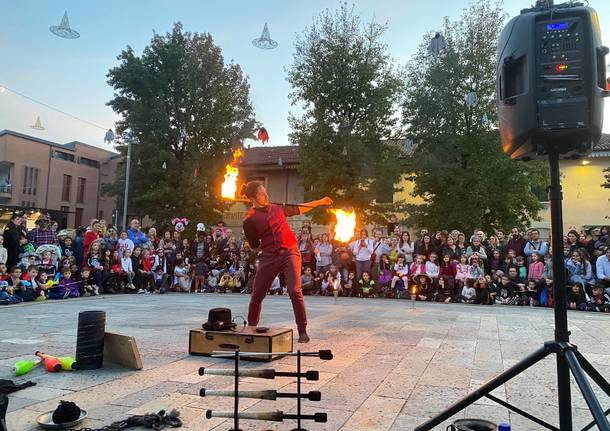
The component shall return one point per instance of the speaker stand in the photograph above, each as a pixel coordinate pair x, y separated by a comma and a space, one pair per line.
569, 359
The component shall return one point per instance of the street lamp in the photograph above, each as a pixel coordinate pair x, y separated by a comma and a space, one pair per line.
131, 139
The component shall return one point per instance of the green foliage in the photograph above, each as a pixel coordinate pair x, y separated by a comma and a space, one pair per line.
349, 89
186, 107
458, 167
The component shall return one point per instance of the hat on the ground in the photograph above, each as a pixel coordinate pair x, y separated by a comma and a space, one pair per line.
219, 319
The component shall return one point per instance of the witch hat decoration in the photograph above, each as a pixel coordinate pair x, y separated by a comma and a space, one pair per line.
63, 30
265, 41
37, 125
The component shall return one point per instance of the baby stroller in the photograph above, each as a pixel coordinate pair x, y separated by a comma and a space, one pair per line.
55, 252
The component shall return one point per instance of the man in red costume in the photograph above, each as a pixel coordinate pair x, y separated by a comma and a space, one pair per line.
266, 228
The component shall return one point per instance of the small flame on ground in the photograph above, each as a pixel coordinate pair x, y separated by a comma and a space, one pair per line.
346, 225
228, 190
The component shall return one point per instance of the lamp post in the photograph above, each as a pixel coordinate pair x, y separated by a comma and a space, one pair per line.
130, 140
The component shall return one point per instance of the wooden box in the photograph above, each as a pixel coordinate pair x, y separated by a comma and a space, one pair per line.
276, 340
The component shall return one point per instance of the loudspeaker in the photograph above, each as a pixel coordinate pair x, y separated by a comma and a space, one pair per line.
551, 80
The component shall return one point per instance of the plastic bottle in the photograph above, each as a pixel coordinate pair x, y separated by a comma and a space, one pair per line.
504, 426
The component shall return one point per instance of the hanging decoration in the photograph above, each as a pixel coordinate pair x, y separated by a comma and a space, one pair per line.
109, 136
164, 166
37, 125
265, 41
280, 162
63, 30
471, 99
263, 135
437, 44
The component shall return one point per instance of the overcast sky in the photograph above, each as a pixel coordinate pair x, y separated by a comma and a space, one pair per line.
70, 74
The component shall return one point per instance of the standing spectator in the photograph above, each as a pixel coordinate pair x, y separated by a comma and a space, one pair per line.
477, 249
603, 269
572, 241
307, 249
3, 251
124, 243
517, 242
461, 244
406, 247
92, 235
111, 238
392, 224
536, 267
200, 249
422, 232
153, 238
42, 234
79, 246
535, 245
362, 250
14, 238
138, 237
448, 270
324, 254
425, 246
451, 249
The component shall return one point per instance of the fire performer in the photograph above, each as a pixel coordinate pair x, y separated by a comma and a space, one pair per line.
266, 227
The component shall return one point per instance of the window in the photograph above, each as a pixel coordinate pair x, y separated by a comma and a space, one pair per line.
88, 162
80, 190
78, 217
30, 181
63, 156
64, 209
65, 188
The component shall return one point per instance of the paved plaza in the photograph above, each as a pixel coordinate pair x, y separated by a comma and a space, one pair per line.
393, 368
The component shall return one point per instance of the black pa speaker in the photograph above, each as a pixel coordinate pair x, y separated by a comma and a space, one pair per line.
551, 80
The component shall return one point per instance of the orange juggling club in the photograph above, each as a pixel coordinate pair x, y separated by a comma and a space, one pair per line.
50, 362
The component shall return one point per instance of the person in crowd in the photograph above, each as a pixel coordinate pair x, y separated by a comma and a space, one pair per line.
350, 285
517, 242
7, 294
42, 234
200, 249
423, 286
461, 244
3, 251
362, 249
79, 246
400, 280
406, 247
386, 276
580, 271
14, 238
419, 266
127, 273
448, 269
92, 235
572, 241
21, 288
451, 249
323, 254
476, 248
476, 267
394, 249
366, 285
493, 245
86, 283
506, 292
182, 281
425, 247
469, 293
307, 281
62, 289
602, 267
496, 262
536, 267
328, 279
39, 284
433, 268
443, 291
598, 301
462, 273
111, 238
422, 232
136, 235
392, 224
379, 247
535, 245
521, 267
576, 298
153, 239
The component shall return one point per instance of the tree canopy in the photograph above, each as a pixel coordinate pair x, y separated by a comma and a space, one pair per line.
457, 166
187, 107
349, 89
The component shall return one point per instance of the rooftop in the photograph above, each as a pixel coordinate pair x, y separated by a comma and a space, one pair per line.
70, 146
271, 155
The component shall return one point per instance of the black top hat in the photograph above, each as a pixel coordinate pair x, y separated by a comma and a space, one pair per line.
219, 319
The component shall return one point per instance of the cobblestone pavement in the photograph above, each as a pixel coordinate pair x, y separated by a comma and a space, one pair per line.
394, 366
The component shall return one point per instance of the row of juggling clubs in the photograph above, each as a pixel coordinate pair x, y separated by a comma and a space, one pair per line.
53, 364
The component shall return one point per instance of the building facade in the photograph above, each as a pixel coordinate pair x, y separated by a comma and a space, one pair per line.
63, 179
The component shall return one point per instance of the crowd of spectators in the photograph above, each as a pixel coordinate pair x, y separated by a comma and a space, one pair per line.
477, 268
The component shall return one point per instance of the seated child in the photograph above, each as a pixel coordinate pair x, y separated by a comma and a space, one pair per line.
366, 285
276, 287
39, 292
423, 284
182, 281
444, 290
350, 286
469, 293
227, 282
3, 272
47, 264
159, 280
506, 292
65, 288
576, 298
307, 281
599, 301
42, 284
7, 294
86, 284
21, 288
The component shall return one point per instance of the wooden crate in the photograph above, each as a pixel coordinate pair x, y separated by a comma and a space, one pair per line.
203, 343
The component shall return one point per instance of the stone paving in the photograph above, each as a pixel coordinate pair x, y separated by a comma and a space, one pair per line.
394, 366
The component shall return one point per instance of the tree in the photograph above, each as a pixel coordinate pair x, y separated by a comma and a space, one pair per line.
458, 167
187, 108
349, 89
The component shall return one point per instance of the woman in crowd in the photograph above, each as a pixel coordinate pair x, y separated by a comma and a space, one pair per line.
461, 244
324, 254
307, 249
406, 247
451, 249
425, 247
580, 271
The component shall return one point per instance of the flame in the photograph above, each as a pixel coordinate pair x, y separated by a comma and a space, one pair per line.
346, 225
228, 189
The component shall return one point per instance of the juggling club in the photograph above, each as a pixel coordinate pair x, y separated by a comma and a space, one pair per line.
50, 362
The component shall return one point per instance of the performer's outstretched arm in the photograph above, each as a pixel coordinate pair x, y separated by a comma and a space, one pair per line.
308, 206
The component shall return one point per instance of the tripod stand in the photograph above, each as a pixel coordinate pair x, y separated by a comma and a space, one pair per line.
569, 359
